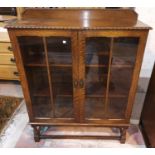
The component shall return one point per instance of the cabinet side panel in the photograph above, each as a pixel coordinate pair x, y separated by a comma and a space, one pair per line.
136, 72
20, 67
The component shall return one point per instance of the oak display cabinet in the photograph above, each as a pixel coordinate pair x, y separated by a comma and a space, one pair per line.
79, 67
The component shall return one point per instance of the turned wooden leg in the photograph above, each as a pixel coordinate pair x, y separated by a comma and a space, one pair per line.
123, 135
36, 130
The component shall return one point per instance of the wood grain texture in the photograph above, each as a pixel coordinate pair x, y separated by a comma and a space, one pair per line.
8, 72
81, 63
8, 69
75, 76
77, 25
7, 59
136, 72
78, 19
5, 47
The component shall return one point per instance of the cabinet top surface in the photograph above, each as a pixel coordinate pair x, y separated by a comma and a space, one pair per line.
78, 19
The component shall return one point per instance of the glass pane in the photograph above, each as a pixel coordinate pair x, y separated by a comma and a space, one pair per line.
120, 81
60, 59
41, 107
39, 89
97, 50
59, 50
64, 107
125, 50
97, 60
32, 50
119, 86
96, 81
117, 107
62, 81
94, 107
123, 60
62, 91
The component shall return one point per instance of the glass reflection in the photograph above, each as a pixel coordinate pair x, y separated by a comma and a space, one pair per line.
32, 50
125, 50
97, 60
60, 59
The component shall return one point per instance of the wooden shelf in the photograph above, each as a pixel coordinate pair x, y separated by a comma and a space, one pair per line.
35, 65
99, 53
110, 96
96, 65
95, 96
47, 94
122, 66
41, 92
95, 89
115, 66
61, 65
70, 65
44, 65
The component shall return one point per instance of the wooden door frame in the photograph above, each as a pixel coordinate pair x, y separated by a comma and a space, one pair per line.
14, 33
142, 35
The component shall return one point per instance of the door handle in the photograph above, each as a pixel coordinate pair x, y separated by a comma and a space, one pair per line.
81, 83
75, 83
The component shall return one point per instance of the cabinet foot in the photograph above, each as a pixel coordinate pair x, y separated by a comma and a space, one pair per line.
123, 135
36, 130
36, 139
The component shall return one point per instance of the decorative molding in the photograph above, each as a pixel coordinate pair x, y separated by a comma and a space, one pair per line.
75, 28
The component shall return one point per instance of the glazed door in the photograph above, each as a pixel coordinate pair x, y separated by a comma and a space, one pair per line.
107, 65
50, 64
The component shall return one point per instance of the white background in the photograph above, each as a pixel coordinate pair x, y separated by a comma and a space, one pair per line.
147, 15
